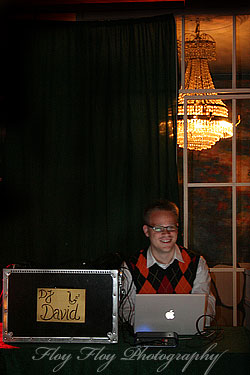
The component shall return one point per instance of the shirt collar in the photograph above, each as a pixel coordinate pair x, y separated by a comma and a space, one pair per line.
151, 259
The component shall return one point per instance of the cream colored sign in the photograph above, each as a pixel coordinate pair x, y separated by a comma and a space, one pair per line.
61, 305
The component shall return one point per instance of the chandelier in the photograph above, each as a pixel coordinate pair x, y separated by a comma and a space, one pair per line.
207, 119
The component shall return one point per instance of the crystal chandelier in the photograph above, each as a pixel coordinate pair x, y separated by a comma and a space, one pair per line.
207, 119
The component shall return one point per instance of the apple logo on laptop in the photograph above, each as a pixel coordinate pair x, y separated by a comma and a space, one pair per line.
170, 314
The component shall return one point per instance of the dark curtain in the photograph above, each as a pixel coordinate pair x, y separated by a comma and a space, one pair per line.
83, 153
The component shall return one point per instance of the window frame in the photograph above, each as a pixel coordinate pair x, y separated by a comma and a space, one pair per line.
233, 94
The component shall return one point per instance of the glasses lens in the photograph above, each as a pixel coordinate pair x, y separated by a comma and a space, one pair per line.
169, 228
158, 229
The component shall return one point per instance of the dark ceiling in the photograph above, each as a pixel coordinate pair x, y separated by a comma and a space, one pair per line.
105, 5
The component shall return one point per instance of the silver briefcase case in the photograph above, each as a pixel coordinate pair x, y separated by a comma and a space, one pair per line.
60, 305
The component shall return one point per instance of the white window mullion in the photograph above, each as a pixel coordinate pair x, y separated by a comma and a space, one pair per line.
234, 179
185, 178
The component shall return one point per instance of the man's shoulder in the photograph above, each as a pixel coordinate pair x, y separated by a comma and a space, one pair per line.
133, 259
190, 253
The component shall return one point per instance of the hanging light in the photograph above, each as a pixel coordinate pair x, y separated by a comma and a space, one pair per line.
207, 119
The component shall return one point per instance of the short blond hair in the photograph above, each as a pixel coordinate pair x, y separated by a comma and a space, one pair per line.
161, 205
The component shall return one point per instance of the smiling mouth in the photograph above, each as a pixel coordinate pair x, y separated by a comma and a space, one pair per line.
165, 241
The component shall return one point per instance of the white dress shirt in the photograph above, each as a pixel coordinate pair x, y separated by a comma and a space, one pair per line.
201, 285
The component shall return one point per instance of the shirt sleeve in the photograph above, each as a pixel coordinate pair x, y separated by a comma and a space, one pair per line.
202, 285
127, 296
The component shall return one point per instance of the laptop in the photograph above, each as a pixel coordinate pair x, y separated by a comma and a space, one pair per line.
169, 313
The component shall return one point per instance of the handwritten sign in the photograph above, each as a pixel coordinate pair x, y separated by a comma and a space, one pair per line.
61, 305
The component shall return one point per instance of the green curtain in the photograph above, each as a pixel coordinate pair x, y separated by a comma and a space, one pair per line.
83, 153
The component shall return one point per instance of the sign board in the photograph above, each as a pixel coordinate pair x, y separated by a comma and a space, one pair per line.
61, 305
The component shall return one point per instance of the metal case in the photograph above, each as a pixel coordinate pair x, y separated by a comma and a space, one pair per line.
60, 305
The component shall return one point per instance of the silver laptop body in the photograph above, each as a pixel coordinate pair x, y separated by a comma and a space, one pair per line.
169, 313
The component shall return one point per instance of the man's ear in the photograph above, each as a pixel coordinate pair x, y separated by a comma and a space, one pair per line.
145, 230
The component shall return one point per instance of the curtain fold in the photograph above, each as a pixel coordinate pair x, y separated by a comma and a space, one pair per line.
83, 153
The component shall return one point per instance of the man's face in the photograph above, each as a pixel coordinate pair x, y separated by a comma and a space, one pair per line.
162, 243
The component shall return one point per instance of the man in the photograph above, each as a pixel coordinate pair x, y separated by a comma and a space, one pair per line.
164, 267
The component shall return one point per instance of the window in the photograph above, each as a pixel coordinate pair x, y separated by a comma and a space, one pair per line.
215, 182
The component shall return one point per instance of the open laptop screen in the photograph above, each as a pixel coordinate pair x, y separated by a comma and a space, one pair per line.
169, 313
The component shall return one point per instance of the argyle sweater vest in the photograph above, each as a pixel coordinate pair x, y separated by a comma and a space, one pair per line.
176, 278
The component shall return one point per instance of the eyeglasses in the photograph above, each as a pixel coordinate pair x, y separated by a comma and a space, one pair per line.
161, 228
